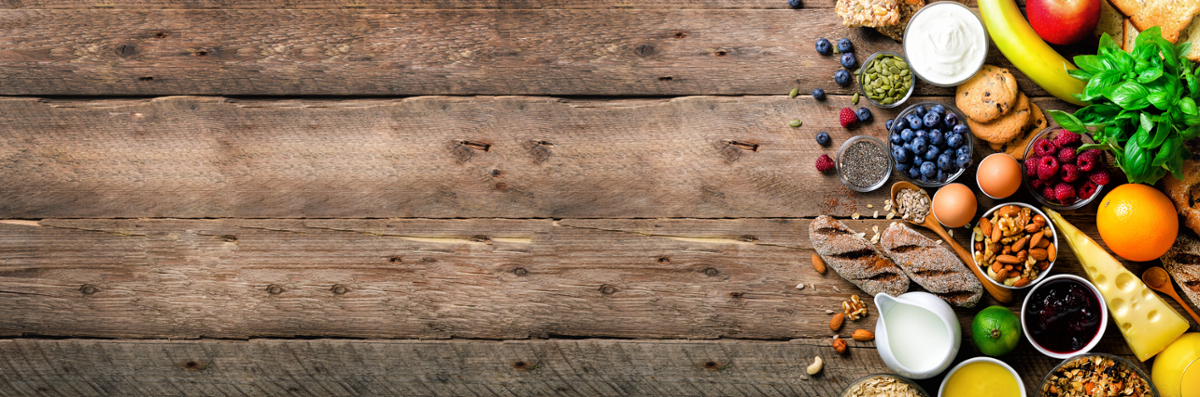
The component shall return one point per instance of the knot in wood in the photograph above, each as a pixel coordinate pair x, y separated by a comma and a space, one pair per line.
88, 289
711, 271
664, 259
607, 289
275, 289
339, 289
520, 271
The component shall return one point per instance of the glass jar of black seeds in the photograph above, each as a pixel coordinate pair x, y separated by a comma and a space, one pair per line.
863, 163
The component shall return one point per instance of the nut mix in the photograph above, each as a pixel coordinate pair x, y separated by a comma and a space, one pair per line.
1095, 376
881, 386
1014, 246
854, 308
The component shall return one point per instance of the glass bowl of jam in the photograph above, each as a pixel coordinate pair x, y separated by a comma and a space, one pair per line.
1063, 316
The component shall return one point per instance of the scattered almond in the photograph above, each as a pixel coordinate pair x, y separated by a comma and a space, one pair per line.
862, 335
836, 322
818, 264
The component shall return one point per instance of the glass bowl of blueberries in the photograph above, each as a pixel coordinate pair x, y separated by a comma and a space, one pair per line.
930, 144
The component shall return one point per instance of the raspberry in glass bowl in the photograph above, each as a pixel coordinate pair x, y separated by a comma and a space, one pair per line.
1058, 174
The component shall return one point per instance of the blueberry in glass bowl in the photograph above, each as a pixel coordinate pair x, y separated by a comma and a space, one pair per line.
930, 144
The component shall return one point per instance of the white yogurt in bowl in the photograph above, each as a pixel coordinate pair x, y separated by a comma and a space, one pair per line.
945, 43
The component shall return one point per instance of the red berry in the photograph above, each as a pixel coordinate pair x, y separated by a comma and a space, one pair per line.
1048, 193
1087, 190
1064, 193
1069, 172
1096, 154
848, 118
1099, 177
1043, 147
1031, 167
1068, 139
1086, 162
1047, 167
1037, 184
1066, 156
824, 163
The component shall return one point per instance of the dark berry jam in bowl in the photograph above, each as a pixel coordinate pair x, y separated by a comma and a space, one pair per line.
1064, 315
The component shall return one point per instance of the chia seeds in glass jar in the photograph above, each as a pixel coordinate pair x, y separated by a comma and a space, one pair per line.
863, 163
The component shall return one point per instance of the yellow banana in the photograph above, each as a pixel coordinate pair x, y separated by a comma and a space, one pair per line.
1025, 49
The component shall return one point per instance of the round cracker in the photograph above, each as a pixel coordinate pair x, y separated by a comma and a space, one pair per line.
1006, 128
988, 95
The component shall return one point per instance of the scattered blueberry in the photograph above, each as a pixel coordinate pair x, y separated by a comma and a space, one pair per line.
960, 129
824, 47
897, 139
935, 137
888, 124
914, 121
928, 169
907, 134
823, 138
844, 46
945, 162
919, 111
818, 94
864, 114
962, 160
932, 119
842, 77
795, 3
900, 154
951, 119
954, 140
932, 153
919, 145
848, 60
939, 109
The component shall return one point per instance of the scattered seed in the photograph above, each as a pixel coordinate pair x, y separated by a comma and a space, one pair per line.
836, 289
827, 311
876, 215
870, 206
800, 286
794, 93
875, 239
854, 215
795, 123
951, 232
939, 242
875, 228
891, 215
854, 99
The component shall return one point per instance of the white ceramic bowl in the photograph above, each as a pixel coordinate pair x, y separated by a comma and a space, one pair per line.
1054, 241
1095, 339
942, 388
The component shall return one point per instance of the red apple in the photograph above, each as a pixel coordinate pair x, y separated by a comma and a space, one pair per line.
1063, 21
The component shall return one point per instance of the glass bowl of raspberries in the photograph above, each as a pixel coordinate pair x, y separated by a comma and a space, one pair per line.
1058, 174
930, 144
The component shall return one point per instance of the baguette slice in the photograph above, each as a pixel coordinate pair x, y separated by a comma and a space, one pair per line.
856, 260
1183, 262
934, 266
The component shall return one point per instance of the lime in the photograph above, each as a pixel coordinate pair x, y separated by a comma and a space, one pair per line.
996, 330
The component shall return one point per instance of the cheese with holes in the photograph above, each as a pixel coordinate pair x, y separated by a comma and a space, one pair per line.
1145, 320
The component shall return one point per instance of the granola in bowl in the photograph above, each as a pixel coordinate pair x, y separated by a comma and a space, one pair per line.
1096, 375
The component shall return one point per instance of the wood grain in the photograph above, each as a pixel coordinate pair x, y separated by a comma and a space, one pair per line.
423, 4
434, 157
33, 367
355, 52
427, 279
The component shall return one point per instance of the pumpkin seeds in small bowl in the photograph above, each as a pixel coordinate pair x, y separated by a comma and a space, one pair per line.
886, 79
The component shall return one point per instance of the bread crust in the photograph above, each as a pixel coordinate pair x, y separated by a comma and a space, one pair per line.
933, 266
1185, 194
853, 258
1182, 261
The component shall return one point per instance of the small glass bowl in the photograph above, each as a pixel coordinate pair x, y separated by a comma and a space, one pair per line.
912, 80
1051, 132
887, 157
1053, 241
969, 141
915, 386
1120, 361
909, 28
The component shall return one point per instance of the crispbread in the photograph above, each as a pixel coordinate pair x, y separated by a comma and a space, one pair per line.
1128, 7
1006, 128
1111, 22
1172, 15
907, 9
1182, 261
1130, 34
853, 258
1186, 193
932, 265
869, 13
1192, 35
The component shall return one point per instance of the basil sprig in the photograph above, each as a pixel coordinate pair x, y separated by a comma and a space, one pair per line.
1143, 105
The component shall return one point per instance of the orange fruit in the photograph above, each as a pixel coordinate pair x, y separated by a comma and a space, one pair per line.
1137, 222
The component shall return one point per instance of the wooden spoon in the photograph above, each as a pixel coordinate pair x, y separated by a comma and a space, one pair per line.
1001, 295
1160, 281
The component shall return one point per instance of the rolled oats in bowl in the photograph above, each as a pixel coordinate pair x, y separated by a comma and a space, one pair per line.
883, 385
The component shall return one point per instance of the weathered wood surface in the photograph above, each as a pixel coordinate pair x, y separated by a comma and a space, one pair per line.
423, 4
477, 278
423, 52
435, 157
33, 367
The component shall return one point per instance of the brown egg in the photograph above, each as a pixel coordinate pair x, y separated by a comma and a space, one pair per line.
999, 176
954, 205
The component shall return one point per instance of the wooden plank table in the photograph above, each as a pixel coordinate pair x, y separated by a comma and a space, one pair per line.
431, 198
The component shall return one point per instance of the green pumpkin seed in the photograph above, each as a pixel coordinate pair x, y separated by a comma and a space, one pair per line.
795, 123
887, 101
854, 100
794, 93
